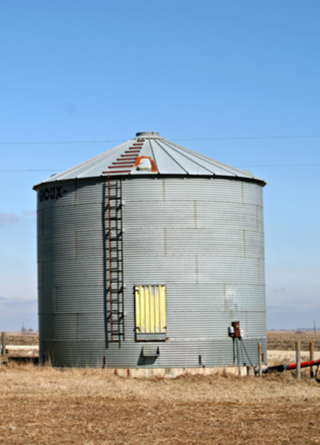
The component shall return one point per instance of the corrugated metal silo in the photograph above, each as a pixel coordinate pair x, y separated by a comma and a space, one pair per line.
147, 254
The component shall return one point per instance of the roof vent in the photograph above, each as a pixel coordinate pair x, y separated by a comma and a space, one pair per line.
148, 134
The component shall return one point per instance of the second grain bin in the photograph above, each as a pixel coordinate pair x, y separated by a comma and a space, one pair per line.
151, 255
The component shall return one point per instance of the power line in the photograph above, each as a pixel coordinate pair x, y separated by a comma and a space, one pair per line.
180, 139
31, 171
249, 137
278, 165
57, 142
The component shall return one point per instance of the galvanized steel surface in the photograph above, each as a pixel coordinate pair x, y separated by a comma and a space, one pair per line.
164, 157
200, 237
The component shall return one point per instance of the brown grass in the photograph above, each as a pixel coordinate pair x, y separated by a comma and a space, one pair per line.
89, 406
286, 340
13, 338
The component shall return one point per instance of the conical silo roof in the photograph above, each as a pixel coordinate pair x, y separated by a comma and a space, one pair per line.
150, 154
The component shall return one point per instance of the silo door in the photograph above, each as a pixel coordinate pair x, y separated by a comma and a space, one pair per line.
150, 309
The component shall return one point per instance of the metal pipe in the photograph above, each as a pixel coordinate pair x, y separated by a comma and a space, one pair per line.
285, 367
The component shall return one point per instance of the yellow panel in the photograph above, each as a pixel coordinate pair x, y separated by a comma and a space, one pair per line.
151, 299
143, 311
150, 309
162, 308
146, 298
156, 310
138, 308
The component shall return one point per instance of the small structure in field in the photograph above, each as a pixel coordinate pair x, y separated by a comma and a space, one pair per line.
151, 255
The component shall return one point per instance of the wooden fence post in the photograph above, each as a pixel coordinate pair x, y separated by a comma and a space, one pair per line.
311, 358
4, 347
298, 359
260, 358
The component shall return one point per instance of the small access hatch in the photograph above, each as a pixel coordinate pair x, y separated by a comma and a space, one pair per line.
150, 306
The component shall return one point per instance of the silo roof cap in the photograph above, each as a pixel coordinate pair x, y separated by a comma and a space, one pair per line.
150, 154
148, 134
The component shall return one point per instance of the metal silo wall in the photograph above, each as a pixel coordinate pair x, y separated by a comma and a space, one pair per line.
203, 238
70, 274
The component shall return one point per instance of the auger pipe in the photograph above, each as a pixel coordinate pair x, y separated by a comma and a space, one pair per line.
281, 368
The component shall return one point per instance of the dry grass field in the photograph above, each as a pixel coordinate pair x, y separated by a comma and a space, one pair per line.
90, 406
286, 340
16, 338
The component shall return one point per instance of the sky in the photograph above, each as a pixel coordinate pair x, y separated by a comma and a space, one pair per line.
235, 80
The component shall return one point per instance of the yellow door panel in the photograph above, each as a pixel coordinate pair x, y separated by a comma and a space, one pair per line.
150, 302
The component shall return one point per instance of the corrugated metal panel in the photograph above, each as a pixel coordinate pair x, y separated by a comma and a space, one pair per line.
72, 244
194, 269
178, 353
69, 218
203, 241
179, 188
72, 353
76, 299
73, 326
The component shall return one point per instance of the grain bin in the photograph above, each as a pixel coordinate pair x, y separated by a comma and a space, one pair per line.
151, 255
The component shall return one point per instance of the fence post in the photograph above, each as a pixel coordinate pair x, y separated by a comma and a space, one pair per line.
260, 358
4, 346
311, 358
298, 359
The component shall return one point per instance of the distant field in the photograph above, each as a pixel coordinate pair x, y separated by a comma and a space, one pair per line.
286, 340
277, 340
16, 338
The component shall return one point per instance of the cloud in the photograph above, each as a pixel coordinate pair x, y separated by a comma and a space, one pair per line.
13, 218
8, 218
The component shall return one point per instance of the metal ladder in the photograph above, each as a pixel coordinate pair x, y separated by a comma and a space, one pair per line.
113, 253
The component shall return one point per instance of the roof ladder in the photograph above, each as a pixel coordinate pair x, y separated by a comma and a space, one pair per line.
113, 260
